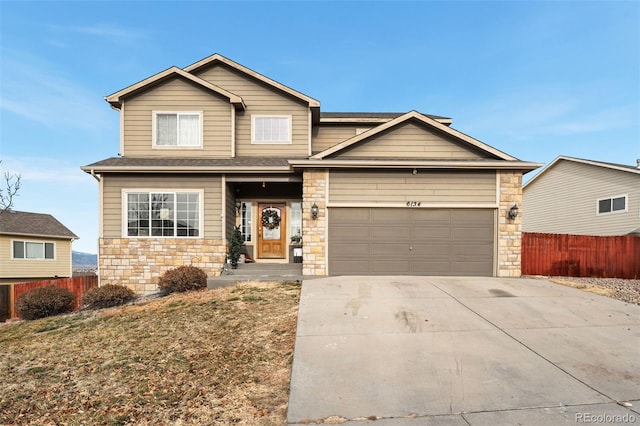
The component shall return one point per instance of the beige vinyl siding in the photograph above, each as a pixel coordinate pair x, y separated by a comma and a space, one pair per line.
261, 99
410, 140
112, 198
427, 187
563, 200
34, 268
175, 96
324, 137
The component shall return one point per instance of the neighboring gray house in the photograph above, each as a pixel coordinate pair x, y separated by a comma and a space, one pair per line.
583, 197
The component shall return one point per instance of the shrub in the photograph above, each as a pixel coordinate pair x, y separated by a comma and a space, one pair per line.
44, 302
183, 278
107, 296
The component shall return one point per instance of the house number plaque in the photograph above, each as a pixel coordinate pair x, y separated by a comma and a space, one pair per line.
413, 203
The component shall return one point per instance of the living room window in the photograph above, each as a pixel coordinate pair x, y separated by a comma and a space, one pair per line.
612, 204
33, 250
177, 129
163, 214
271, 129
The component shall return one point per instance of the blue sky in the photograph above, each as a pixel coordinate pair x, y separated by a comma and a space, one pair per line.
534, 79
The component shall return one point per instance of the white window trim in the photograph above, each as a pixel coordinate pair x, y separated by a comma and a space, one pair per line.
21, 259
125, 219
170, 147
626, 205
253, 121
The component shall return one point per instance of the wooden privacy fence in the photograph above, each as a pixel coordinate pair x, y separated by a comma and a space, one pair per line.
580, 255
9, 293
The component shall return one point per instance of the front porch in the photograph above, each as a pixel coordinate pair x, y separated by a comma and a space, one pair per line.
269, 214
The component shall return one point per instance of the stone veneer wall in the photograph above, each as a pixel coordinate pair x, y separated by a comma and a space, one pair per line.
138, 262
509, 231
314, 189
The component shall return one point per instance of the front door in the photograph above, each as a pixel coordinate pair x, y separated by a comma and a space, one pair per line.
271, 231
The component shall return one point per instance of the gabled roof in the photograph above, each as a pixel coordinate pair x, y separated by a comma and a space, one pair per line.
33, 224
169, 73
216, 57
414, 115
610, 166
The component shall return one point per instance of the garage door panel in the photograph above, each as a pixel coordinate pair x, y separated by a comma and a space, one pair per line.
378, 241
350, 250
430, 215
340, 267
431, 268
354, 233
472, 234
390, 268
389, 251
397, 232
472, 216
430, 251
348, 215
471, 269
431, 233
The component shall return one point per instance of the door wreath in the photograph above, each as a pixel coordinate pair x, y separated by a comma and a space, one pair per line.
270, 218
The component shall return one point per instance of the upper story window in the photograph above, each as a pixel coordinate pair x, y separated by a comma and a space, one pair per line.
271, 129
163, 214
33, 250
612, 204
177, 129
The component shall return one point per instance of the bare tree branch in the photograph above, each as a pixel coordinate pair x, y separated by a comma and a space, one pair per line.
9, 190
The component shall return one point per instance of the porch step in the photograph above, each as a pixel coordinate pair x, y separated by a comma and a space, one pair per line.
257, 272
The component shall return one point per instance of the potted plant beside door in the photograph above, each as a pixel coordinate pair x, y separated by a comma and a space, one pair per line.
235, 247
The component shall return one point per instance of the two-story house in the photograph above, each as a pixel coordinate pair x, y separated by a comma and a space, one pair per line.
33, 247
215, 144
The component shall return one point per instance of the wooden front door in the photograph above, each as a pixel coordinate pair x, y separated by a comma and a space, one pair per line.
272, 235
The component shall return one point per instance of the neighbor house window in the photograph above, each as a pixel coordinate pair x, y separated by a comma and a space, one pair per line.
296, 222
33, 250
612, 204
163, 214
246, 222
271, 129
177, 129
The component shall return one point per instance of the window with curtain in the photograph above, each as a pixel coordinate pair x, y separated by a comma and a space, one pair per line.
178, 129
271, 129
163, 214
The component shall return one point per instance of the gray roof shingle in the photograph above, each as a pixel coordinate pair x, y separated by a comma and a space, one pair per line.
205, 163
36, 224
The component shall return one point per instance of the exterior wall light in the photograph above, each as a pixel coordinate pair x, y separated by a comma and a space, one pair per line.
238, 207
314, 211
513, 212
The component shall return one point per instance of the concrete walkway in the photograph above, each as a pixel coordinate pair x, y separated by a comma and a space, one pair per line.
463, 351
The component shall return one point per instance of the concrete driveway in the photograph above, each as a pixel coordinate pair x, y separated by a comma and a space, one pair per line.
460, 351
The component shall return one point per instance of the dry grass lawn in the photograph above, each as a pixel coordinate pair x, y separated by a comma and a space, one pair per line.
212, 357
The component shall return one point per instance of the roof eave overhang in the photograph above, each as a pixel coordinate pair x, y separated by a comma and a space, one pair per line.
194, 169
57, 237
524, 166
